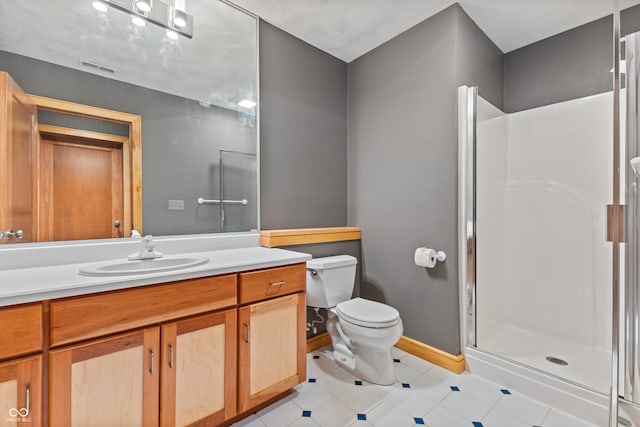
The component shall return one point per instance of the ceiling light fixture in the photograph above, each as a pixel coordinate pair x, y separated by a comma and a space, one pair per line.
156, 12
99, 5
247, 103
172, 35
144, 5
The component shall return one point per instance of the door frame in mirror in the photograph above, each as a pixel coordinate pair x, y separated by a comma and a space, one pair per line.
132, 152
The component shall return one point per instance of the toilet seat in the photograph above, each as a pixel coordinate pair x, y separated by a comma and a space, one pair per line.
367, 313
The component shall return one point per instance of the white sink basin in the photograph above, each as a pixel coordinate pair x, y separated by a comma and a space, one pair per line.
146, 266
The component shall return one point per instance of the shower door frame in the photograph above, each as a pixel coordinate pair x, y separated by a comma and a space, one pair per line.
577, 399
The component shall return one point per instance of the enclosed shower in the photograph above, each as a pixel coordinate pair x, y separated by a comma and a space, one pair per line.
538, 182
549, 243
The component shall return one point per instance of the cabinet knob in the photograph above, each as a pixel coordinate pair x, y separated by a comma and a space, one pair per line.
9, 234
19, 234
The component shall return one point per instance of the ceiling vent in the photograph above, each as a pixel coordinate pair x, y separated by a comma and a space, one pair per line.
96, 67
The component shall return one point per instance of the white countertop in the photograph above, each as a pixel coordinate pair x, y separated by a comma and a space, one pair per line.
23, 285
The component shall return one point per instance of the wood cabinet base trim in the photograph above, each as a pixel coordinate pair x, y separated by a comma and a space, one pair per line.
301, 236
445, 360
438, 357
256, 408
318, 341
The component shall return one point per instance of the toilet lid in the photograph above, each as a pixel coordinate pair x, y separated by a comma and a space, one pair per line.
367, 313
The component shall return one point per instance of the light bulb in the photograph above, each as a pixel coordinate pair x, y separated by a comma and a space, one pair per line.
179, 18
99, 5
138, 21
144, 5
172, 35
246, 103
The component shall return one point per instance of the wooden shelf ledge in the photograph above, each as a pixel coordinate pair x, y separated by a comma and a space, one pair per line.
301, 236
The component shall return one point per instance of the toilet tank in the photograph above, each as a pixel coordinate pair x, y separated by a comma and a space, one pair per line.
330, 280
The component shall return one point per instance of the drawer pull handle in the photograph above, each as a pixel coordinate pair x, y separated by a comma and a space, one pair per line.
171, 356
152, 361
27, 400
248, 332
280, 283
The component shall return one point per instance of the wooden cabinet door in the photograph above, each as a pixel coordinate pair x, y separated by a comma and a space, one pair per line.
21, 392
108, 382
18, 137
199, 370
272, 346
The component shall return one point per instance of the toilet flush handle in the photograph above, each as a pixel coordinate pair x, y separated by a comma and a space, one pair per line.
313, 272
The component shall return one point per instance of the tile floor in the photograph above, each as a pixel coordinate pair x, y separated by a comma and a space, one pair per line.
424, 394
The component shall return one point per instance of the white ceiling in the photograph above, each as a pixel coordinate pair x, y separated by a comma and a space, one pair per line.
218, 66
348, 29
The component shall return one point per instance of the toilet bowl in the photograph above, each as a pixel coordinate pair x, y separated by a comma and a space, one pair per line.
362, 331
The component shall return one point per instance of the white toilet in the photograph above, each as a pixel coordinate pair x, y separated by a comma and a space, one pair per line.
362, 331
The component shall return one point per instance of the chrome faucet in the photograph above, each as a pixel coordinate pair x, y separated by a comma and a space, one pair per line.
147, 250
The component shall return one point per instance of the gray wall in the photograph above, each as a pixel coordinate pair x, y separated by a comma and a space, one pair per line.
573, 64
479, 62
403, 165
181, 139
303, 145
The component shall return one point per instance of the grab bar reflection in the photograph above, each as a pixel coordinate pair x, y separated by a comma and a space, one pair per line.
202, 201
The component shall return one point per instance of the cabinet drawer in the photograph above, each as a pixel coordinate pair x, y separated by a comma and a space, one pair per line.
20, 330
272, 282
79, 318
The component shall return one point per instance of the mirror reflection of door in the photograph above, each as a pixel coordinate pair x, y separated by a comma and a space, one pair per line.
18, 118
89, 181
81, 178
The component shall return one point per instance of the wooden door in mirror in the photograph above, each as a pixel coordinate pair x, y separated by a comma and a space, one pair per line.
18, 144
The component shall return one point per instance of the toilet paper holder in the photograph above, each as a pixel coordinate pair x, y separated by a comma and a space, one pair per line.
427, 257
441, 256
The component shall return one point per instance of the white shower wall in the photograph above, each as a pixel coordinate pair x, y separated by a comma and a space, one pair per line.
544, 177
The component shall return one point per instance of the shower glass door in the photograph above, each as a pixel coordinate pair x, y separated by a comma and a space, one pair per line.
629, 349
238, 191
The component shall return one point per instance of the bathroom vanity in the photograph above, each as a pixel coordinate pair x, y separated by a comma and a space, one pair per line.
193, 347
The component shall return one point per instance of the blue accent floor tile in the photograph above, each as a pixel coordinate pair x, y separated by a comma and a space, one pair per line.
396, 360
362, 417
477, 424
306, 413
505, 391
312, 380
418, 421
405, 385
455, 388
358, 382
316, 357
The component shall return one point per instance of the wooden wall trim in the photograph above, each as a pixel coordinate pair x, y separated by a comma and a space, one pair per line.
132, 155
81, 133
67, 107
301, 236
445, 360
318, 341
438, 357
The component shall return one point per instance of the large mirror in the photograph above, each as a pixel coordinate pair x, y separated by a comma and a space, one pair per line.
193, 87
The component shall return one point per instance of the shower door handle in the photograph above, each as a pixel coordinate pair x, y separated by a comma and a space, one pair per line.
611, 223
